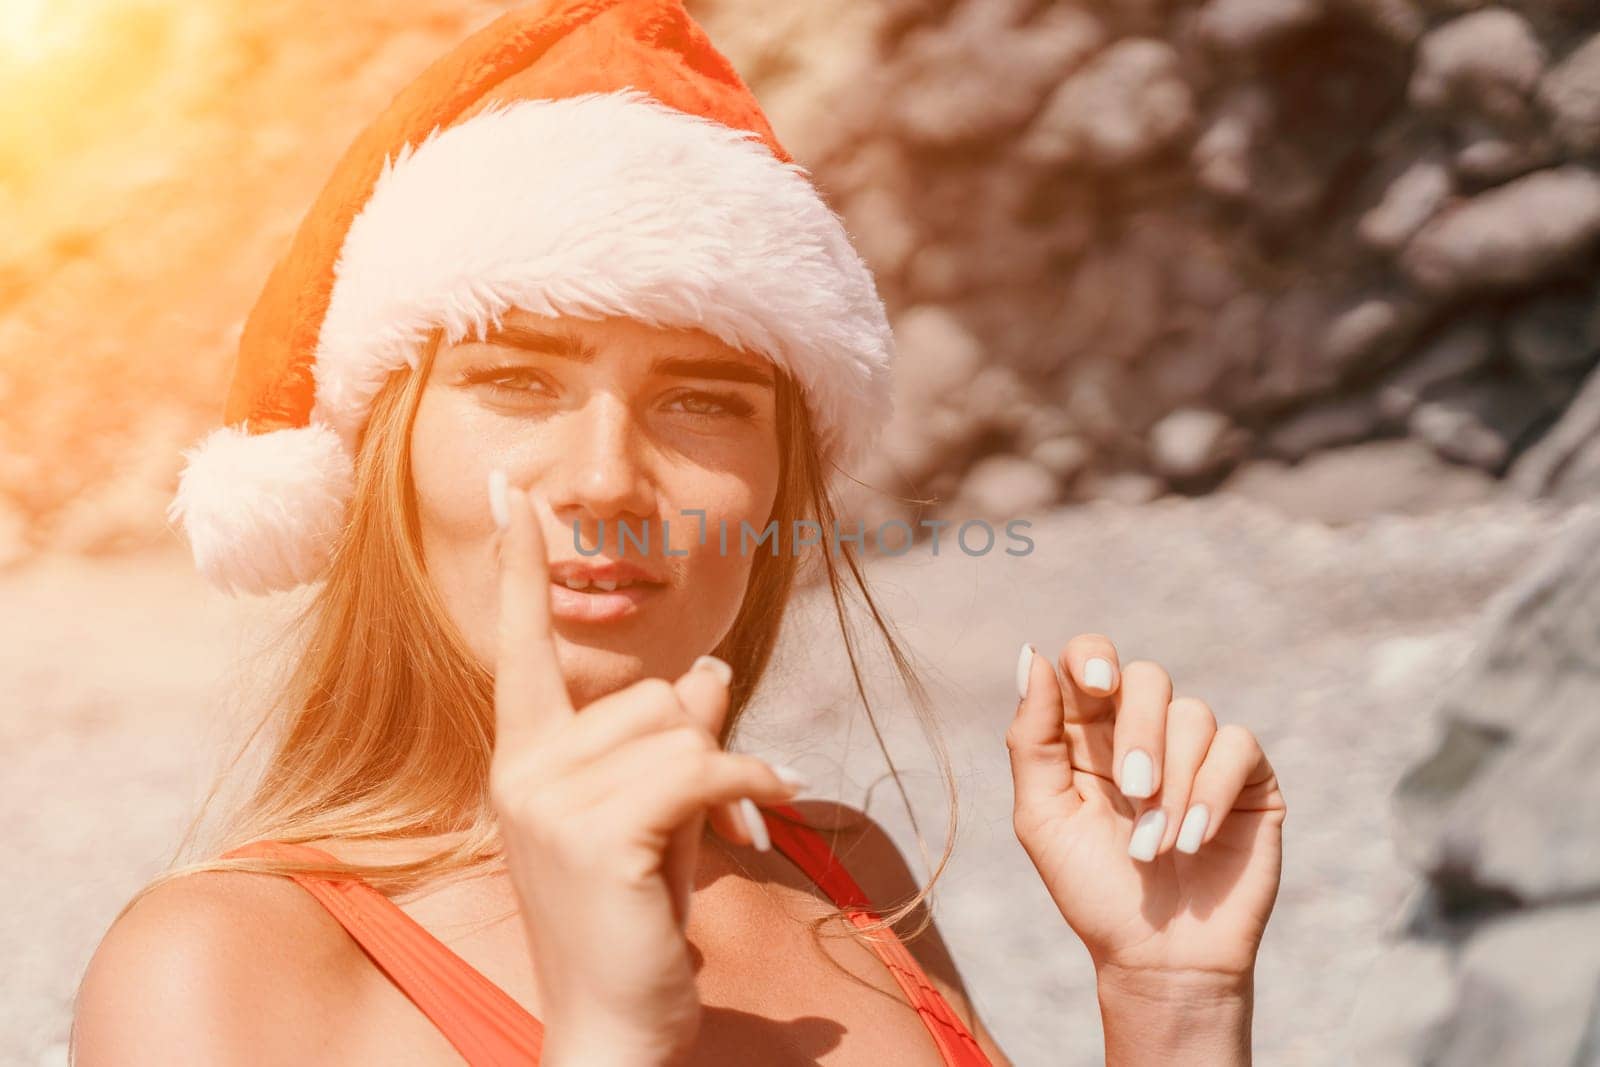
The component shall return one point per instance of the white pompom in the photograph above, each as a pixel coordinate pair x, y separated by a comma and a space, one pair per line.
262, 512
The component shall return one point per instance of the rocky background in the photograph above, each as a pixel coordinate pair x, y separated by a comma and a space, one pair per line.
1283, 311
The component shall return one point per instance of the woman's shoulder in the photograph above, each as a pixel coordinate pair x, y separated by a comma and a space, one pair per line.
215, 967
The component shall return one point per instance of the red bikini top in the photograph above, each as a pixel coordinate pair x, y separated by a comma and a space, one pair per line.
490, 1029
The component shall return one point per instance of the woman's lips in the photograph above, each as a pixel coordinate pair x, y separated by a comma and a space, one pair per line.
598, 605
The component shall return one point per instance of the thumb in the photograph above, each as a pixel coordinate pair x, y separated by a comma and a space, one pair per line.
1041, 755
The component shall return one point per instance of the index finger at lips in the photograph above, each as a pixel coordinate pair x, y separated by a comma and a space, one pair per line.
528, 685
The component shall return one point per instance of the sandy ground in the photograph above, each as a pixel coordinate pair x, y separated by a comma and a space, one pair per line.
1328, 642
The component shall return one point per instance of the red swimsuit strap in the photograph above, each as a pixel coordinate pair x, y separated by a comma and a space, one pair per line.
810, 852
491, 1029
484, 1023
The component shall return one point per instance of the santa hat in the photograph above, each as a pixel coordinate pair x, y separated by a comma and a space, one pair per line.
578, 157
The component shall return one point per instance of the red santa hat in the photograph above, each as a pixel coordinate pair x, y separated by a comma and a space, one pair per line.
577, 157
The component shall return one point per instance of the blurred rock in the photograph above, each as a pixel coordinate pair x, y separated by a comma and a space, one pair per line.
1410, 201
1462, 349
1565, 462
1480, 422
1556, 335
1513, 235
1248, 25
1522, 719
1491, 158
1529, 987
1403, 1007
1120, 487
1193, 443
1224, 153
1063, 457
1127, 104
1325, 425
1489, 61
1003, 487
982, 76
1570, 92
1369, 332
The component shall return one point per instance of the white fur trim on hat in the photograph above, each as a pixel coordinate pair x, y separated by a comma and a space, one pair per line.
597, 205
262, 512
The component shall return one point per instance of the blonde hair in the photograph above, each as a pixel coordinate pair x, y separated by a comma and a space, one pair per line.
382, 727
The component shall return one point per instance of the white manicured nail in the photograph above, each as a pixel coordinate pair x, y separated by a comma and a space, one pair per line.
1193, 829
791, 776
1024, 668
755, 824
1097, 673
1138, 774
497, 498
1147, 835
716, 666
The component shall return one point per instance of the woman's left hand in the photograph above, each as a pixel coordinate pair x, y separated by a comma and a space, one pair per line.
1171, 886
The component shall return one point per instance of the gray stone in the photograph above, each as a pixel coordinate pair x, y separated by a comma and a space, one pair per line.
1513, 235
1565, 462
980, 76
1521, 720
1248, 25
1125, 105
1008, 486
1528, 985
1401, 21
941, 354
1223, 155
1570, 94
1121, 487
1490, 61
1555, 335
1410, 201
1479, 422
1463, 348
1369, 331
1359, 482
1324, 425
1063, 457
1403, 1007
1193, 443
1492, 158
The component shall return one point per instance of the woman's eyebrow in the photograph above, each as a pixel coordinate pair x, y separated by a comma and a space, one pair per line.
711, 367
566, 344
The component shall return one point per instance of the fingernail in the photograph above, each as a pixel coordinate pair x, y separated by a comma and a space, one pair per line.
497, 498
1024, 668
1138, 774
1097, 673
755, 824
1193, 828
716, 666
793, 777
1147, 835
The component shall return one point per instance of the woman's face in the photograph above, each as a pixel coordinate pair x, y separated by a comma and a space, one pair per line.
617, 423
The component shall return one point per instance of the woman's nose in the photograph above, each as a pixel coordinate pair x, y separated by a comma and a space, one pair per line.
605, 475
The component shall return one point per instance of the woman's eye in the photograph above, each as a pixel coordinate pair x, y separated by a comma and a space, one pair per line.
522, 380
700, 403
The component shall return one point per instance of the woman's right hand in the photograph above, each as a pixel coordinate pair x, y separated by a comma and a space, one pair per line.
601, 815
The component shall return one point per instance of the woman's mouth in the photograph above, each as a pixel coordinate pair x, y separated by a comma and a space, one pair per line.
584, 600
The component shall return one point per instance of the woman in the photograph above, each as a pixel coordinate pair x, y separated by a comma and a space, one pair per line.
567, 284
